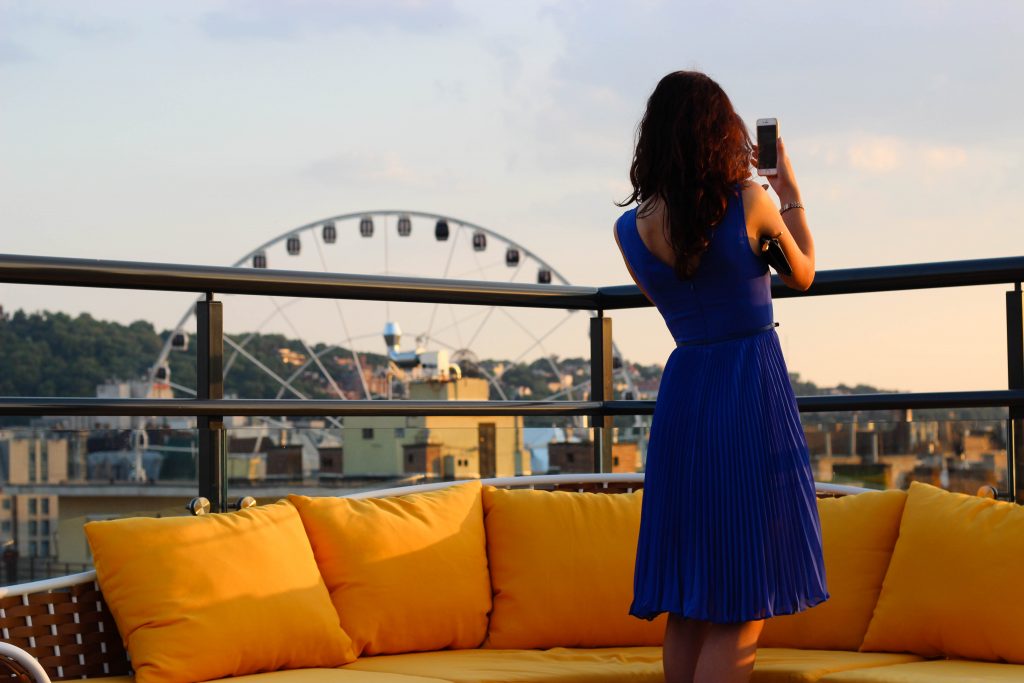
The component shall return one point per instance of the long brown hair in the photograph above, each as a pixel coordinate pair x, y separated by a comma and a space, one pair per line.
691, 150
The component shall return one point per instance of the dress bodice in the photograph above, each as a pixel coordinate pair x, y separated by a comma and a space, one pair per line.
729, 294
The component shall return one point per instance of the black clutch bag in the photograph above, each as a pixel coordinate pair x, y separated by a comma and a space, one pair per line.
771, 251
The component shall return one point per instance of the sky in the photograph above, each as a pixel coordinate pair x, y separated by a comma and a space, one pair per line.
193, 132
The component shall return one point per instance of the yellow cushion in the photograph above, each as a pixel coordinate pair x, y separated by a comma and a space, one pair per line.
325, 676
406, 573
935, 671
198, 598
954, 583
562, 569
858, 534
556, 665
638, 664
790, 665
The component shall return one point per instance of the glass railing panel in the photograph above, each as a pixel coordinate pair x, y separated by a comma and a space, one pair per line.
958, 450
272, 459
54, 480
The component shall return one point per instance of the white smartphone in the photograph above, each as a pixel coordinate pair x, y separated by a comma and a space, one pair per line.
767, 151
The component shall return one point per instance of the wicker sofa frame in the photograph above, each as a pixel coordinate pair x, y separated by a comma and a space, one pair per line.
60, 629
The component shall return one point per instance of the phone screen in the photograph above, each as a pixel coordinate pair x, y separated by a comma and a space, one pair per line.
767, 153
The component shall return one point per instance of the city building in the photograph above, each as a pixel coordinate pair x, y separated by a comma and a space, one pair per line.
437, 445
28, 521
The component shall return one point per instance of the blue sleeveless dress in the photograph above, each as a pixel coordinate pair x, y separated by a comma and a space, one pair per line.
729, 528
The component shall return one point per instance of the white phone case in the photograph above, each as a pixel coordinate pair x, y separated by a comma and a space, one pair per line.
769, 122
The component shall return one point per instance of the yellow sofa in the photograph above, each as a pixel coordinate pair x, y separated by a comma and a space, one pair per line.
507, 580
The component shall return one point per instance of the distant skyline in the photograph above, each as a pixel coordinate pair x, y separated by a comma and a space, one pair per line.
192, 132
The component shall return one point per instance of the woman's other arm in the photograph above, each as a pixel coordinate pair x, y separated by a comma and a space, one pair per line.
615, 233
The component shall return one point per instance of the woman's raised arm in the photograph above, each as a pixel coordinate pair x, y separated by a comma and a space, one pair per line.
790, 227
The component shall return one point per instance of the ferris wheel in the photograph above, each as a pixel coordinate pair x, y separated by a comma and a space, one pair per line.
448, 338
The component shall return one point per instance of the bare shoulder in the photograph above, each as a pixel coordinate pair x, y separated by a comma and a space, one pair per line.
754, 195
758, 207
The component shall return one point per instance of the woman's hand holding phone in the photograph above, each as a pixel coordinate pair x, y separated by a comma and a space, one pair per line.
784, 180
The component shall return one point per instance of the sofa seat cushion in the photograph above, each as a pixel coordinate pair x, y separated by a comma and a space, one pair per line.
305, 676
641, 664
934, 671
325, 676
858, 536
792, 665
582, 665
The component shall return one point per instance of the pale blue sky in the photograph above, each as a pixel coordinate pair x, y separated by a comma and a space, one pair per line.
191, 132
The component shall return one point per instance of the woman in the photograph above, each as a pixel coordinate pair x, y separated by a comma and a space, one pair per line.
729, 531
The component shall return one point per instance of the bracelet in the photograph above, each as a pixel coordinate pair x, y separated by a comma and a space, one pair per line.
790, 205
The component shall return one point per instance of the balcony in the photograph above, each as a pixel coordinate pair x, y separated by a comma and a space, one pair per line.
433, 438
864, 440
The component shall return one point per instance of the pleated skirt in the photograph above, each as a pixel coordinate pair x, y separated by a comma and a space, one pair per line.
729, 528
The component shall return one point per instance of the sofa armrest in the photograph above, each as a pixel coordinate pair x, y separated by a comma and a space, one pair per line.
35, 617
22, 666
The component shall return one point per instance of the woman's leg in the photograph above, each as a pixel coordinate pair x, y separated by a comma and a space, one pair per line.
683, 638
728, 653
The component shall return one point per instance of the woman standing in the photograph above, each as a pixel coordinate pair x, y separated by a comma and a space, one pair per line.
729, 531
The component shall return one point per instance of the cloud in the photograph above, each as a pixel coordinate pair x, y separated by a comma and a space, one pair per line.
360, 167
278, 20
945, 158
28, 21
505, 51
883, 154
12, 53
878, 155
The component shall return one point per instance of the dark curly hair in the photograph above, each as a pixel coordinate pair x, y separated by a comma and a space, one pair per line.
692, 148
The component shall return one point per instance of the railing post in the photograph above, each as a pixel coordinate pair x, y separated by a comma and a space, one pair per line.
1015, 372
601, 388
212, 464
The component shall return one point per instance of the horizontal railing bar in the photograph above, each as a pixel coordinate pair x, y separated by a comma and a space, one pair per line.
324, 407
992, 271
1001, 398
46, 270
833, 403
290, 407
74, 272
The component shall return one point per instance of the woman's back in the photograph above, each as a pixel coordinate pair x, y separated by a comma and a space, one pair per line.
729, 294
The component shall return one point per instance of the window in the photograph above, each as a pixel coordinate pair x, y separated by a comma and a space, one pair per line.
410, 457
615, 460
7, 503
44, 527
46, 548
5, 525
569, 456
31, 548
367, 432
399, 432
46, 505
31, 506
33, 527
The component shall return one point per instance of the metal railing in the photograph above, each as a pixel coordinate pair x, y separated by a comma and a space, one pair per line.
210, 407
